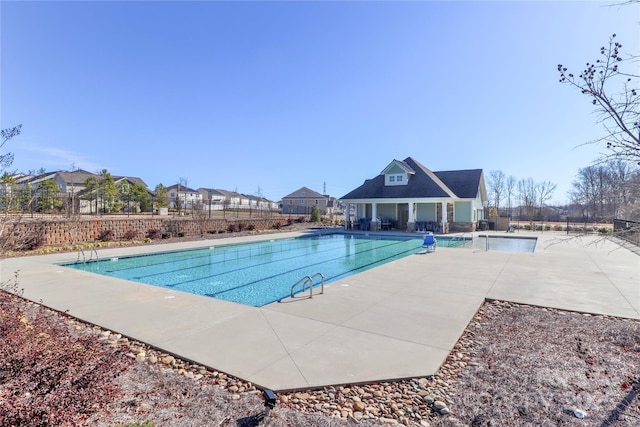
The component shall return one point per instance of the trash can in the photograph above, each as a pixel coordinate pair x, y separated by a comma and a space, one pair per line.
484, 225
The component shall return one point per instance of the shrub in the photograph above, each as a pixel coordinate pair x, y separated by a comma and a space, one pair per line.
241, 226
604, 230
251, 227
181, 234
105, 235
315, 214
154, 233
12, 240
290, 221
301, 219
166, 235
557, 227
547, 227
32, 240
232, 227
130, 234
50, 377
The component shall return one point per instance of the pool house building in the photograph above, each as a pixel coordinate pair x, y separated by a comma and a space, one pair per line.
408, 196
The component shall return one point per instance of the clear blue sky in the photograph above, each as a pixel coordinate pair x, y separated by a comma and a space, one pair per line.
273, 96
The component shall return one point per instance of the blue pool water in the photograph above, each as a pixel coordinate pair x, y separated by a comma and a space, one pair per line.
257, 273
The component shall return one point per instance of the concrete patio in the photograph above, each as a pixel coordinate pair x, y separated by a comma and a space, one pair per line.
396, 321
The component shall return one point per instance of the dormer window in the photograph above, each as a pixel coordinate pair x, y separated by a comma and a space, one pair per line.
397, 173
395, 179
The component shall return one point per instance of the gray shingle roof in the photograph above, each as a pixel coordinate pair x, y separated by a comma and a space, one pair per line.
304, 192
423, 184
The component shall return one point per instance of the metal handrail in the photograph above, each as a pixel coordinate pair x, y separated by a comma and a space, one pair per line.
308, 279
304, 280
321, 286
84, 258
94, 251
461, 238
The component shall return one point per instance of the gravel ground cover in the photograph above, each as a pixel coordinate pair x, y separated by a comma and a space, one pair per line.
514, 365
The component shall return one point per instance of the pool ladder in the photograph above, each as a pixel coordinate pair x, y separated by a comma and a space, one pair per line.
460, 239
84, 257
309, 280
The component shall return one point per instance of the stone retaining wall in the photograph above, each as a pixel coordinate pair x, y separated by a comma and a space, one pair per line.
461, 227
61, 231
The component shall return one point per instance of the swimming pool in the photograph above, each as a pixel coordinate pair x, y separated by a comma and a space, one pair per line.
257, 273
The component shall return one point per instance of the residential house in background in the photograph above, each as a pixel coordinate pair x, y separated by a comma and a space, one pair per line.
265, 204
300, 202
235, 200
217, 199
72, 186
408, 196
68, 182
183, 197
212, 199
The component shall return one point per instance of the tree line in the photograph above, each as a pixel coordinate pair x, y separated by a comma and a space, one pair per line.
528, 196
601, 192
608, 190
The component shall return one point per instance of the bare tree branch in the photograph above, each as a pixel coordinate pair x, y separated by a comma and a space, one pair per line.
616, 97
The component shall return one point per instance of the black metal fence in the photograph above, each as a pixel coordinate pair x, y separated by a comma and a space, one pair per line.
34, 204
627, 230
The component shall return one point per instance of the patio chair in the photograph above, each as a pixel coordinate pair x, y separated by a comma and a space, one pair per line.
429, 242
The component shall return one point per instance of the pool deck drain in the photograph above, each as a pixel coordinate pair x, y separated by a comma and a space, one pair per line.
396, 321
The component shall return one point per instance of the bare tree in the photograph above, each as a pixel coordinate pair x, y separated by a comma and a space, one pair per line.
607, 190
544, 191
497, 184
10, 236
624, 189
615, 94
6, 160
510, 189
527, 195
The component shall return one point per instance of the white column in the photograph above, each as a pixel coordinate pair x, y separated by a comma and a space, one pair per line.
347, 216
375, 224
444, 215
411, 212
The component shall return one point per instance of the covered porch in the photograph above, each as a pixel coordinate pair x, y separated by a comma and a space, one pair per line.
439, 216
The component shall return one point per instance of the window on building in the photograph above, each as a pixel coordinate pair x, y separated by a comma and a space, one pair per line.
302, 202
399, 178
290, 202
316, 201
392, 178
